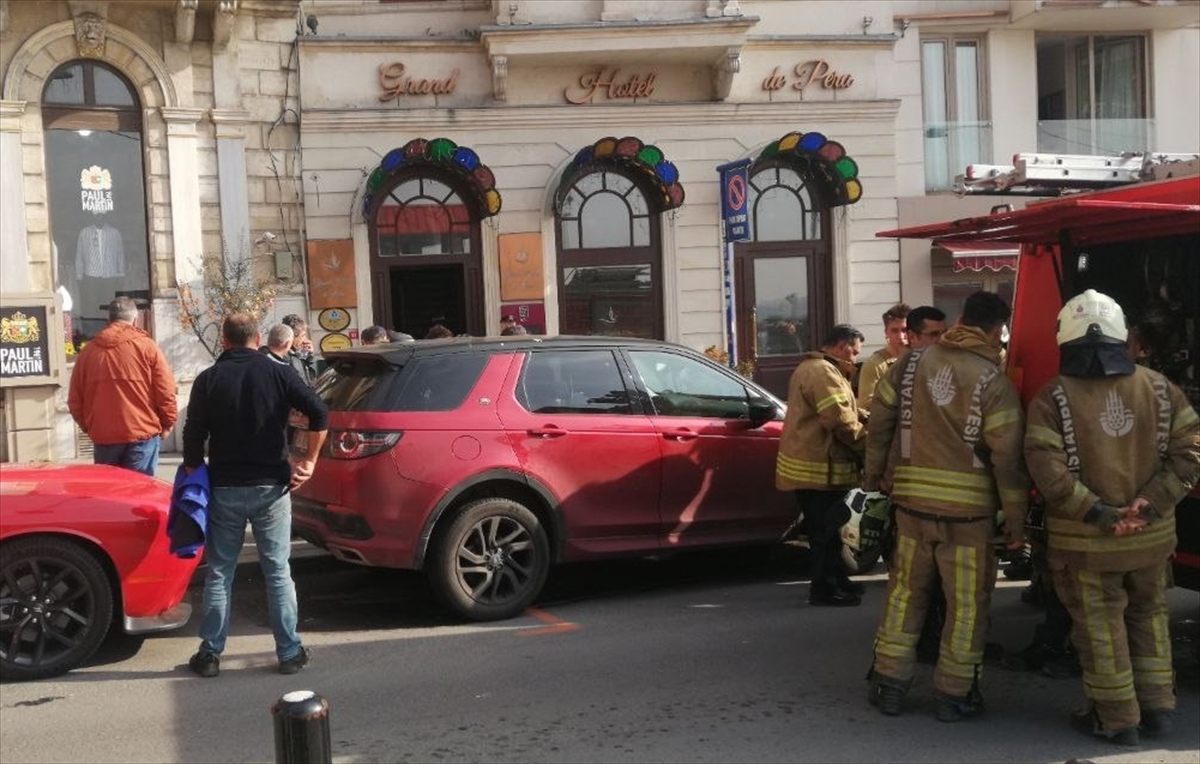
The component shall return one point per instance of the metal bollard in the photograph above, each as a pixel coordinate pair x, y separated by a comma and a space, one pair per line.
302, 729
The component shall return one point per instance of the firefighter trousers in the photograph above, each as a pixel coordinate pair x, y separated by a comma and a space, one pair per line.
961, 553
1121, 632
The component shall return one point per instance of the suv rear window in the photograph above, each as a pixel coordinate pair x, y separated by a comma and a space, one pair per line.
439, 383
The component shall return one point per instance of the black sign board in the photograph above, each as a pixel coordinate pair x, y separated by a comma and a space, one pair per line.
24, 342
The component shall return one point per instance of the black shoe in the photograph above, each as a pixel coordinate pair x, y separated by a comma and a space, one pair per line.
205, 664
295, 663
1088, 723
1157, 722
1063, 664
850, 586
837, 599
952, 709
1032, 595
886, 697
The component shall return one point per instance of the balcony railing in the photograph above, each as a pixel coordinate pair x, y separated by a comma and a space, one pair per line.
1099, 136
950, 147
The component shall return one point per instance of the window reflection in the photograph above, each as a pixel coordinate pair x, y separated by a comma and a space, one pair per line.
96, 196
423, 216
614, 300
681, 386
781, 305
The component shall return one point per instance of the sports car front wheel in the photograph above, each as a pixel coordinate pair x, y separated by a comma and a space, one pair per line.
56, 605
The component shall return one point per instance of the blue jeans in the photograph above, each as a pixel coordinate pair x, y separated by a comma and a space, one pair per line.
268, 509
139, 456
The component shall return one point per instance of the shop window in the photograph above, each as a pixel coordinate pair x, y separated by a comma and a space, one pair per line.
609, 259
1092, 94
957, 130
95, 176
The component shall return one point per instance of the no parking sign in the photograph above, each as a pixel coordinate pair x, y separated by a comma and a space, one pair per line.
735, 199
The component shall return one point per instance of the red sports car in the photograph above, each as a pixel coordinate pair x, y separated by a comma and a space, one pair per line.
80, 543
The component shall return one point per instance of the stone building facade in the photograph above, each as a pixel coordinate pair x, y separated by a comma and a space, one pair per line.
411, 162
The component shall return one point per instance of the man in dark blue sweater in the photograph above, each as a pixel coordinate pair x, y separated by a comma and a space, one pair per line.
240, 406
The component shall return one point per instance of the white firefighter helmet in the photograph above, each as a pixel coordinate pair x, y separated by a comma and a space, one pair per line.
870, 519
1092, 309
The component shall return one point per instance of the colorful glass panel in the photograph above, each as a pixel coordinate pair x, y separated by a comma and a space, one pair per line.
444, 154
823, 160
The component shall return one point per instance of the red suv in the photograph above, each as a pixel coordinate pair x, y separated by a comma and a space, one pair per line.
485, 461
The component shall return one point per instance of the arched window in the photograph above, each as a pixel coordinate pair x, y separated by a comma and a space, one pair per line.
782, 207
423, 206
784, 275
95, 178
607, 210
609, 258
422, 216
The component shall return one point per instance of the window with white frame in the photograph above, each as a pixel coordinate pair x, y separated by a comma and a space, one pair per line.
958, 131
1092, 94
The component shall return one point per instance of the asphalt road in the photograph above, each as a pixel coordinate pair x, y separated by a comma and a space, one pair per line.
704, 658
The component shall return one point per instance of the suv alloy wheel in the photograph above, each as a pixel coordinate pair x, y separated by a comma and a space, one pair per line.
492, 561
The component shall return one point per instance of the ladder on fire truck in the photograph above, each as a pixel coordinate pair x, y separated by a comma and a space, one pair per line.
1057, 174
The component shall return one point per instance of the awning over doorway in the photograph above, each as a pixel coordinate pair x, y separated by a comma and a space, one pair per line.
979, 256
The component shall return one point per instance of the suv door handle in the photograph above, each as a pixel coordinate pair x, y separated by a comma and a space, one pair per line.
680, 434
546, 432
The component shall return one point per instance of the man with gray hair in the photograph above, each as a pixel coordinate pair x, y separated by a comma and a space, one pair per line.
122, 392
300, 356
279, 342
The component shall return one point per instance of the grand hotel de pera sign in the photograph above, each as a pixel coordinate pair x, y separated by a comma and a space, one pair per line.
610, 83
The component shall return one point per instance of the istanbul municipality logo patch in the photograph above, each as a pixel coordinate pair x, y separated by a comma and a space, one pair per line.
1116, 419
941, 386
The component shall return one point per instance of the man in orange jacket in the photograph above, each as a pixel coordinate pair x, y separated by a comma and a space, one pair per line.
122, 392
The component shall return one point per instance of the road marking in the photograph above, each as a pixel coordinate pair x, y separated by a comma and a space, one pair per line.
554, 624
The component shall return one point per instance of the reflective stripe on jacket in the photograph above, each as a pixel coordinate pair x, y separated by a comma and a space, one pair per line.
1111, 439
947, 426
822, 439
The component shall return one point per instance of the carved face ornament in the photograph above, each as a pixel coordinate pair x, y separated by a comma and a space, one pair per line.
89, 34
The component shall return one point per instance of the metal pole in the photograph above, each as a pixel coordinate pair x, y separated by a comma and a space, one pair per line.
302, 729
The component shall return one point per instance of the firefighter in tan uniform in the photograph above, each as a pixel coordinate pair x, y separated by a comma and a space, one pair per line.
820, 451
945, 440
1113, 447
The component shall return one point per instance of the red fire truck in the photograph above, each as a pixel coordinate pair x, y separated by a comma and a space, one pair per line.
1138, 242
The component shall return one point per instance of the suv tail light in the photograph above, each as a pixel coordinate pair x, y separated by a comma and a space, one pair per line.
356, 444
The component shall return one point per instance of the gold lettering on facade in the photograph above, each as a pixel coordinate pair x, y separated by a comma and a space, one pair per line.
395, 83
774, 81
806, 73
606, 84
820, 71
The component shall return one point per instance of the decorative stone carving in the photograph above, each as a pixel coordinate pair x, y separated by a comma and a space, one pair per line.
224, 14
723, 71
185, 20
500, 78
90, 30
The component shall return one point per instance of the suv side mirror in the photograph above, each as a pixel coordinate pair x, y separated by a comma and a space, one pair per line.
761, 412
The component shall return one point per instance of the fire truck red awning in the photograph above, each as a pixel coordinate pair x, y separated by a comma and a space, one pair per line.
1119, 214
978, 256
